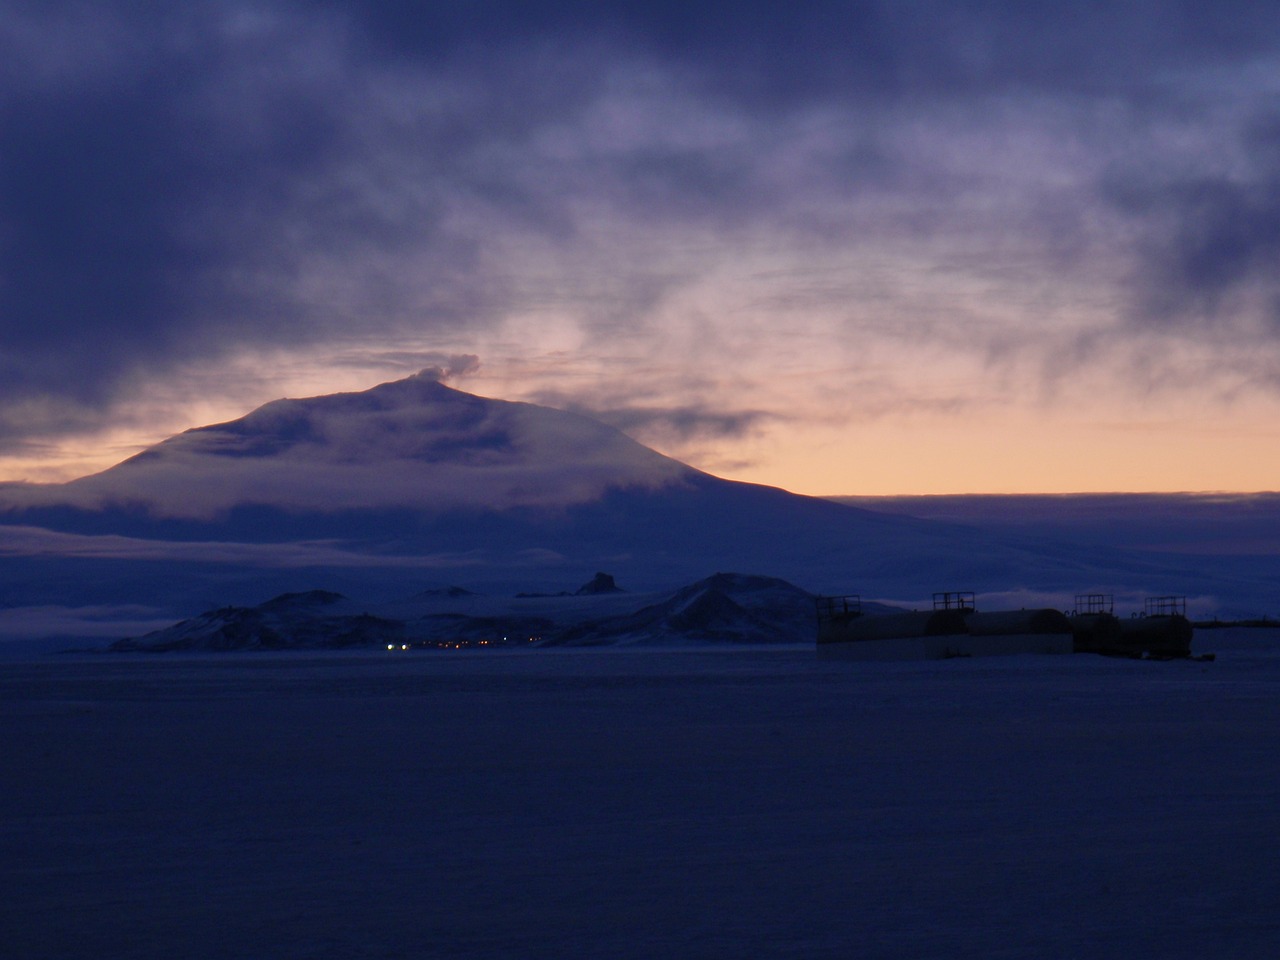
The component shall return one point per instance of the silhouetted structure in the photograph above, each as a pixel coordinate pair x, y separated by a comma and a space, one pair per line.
953, 628
1162, 631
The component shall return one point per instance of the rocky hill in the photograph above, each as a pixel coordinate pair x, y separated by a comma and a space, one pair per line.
724, 608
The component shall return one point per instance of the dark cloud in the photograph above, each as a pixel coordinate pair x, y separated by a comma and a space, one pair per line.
84, 192
664, 425
196, 181
834, 49
120, 199
178, 204
1210, 253
1227, 237
684, 423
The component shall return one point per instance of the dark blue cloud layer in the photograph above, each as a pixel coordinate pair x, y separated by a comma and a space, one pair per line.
171, 184
831, 49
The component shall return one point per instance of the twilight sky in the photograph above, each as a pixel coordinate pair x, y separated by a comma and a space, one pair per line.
852, 247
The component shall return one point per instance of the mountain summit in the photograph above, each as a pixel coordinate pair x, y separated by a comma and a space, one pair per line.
412, 443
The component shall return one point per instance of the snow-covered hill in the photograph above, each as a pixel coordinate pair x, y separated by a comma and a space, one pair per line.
413, 443
724, 608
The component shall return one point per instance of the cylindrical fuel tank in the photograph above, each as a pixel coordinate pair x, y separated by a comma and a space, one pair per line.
1017, 622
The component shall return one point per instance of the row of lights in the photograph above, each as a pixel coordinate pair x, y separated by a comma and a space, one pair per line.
454, 645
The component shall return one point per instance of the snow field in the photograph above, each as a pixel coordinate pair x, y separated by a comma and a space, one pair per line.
627, 803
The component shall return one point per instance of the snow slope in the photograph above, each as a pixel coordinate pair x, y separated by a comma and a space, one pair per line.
639, 804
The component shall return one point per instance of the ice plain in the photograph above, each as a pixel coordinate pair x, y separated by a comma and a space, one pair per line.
641, 803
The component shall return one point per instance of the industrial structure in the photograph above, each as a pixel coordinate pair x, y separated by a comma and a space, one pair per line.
1162, 631
955, 628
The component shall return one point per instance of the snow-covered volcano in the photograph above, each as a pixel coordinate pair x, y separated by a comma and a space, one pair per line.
413, 443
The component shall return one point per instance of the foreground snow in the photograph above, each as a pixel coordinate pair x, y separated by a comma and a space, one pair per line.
588, 803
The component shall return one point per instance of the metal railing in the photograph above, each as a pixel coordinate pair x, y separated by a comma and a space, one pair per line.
838, 608
960, 600
1171, 606
1095, 603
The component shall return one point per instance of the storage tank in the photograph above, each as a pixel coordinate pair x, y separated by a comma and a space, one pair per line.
1162, 636
1018, 621
1161, 631
1095, 632
911, 623
951, 629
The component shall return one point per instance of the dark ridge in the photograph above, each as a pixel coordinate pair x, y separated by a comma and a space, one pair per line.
600, 583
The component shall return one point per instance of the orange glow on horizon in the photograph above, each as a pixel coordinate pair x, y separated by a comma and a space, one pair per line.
817, 440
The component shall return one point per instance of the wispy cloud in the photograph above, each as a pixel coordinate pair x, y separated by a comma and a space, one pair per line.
1026, 187
26, 541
